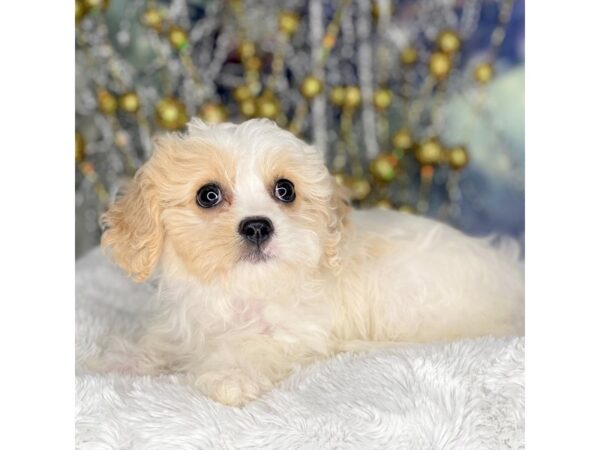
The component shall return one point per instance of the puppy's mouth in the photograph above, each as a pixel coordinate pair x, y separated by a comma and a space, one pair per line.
255, 254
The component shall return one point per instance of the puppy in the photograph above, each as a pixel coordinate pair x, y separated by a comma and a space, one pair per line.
264, 267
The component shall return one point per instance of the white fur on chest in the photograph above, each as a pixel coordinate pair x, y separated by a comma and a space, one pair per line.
299, 316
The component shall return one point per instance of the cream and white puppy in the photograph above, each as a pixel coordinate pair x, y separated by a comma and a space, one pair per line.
263, 266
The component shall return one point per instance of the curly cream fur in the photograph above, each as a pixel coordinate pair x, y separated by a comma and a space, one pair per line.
335, 279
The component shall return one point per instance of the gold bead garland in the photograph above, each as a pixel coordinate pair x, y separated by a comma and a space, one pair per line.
252, 63
483, 73
96, 4
448, 42
382, 98
440, 65
311, 86
153, 18
242, 93
178, 38
352, 97
246, 49
213, 112
359, 189
248, 107
107, 102
79, 147
383, 204
267, 106
409, 56
80, 10
384, 166
171, 114
402, 140
457, 158
429, 152
288, 22
129, 102
408, 209
337, 95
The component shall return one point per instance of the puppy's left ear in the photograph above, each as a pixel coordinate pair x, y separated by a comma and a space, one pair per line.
337, 221
133, 230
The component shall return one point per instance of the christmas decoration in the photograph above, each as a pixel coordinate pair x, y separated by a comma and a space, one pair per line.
129, 102
311, 86
448, 41
375, 85
171, 114
440, 65
457, 158
483, 73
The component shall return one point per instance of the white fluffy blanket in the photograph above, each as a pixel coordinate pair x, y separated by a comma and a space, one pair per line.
464, 395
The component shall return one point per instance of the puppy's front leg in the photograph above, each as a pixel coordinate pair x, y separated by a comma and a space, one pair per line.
236, 371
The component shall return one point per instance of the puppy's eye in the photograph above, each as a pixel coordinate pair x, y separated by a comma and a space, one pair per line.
284, 190
209, 196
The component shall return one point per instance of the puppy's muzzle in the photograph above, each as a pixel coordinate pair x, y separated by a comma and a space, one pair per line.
256, 230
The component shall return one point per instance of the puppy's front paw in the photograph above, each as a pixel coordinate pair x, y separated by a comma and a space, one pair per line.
228, 386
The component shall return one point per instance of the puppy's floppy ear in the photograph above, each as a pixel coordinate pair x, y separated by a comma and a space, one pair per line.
133, 232
339, 208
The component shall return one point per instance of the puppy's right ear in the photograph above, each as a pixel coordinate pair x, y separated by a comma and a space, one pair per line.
133, 232
337, 210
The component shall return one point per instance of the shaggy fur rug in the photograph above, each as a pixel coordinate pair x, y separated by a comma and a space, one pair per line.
462, 395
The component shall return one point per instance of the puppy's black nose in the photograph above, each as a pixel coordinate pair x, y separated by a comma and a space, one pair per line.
256, 229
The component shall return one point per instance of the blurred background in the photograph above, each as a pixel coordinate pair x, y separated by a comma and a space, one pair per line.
417, 105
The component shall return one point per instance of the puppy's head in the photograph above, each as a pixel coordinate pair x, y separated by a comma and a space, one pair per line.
228, 202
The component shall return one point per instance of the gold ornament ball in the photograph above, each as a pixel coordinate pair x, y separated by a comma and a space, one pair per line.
407, 209
254, 85
171, 114
242, 93
288, 22
409, 56
92, 4
178, 37
383, 204
353, 97
440, 65
311, 86
458, 158
129, 102
152, 18
429, 152
79, 147
402, 140
483, 73
359, 189
341, 179
448, 41
383, 168
107, 103
213, 113
382, 98
80, 10
246, 49
268, 107
248, 107
253, 63
337, 95
375, 10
